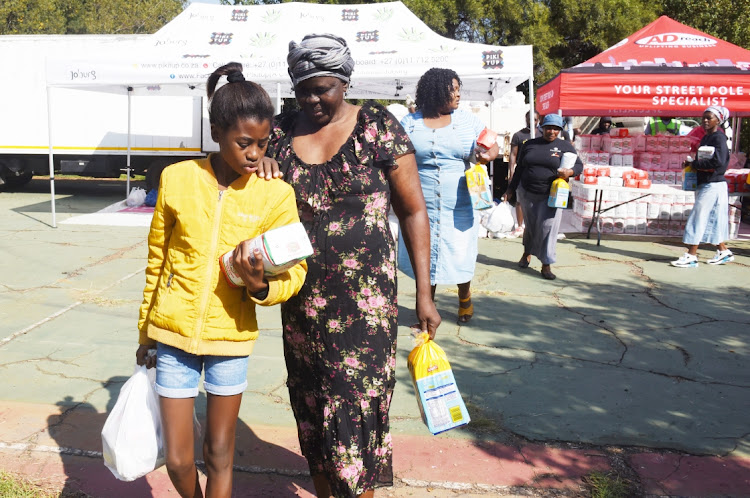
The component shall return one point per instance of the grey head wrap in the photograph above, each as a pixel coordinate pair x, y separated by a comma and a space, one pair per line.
319, 55
721, 113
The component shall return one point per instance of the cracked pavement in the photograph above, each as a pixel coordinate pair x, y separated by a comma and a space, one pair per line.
621, 359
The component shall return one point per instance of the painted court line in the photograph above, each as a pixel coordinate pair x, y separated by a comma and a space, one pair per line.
56, 314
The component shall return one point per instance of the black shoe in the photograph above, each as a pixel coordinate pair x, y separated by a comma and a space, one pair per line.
548, 274
523, 262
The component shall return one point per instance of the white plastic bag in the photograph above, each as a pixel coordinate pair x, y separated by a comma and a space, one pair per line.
137, 197
132, 438
499, 219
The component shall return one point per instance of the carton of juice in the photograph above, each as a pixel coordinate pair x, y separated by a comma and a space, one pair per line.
281, 248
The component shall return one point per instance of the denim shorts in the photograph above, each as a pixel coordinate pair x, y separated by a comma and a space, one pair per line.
178, 373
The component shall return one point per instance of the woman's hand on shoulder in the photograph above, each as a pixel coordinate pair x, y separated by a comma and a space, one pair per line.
143, 356
269, 168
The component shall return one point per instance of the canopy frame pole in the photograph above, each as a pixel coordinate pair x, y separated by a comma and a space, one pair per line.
127, 163
51, 156
737, 128
532, 128
278, 97
491, 164
493, 87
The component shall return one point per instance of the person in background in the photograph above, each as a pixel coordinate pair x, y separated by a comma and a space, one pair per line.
605, 123
538, 166
411, 104
568, 130
190, 314
519, 138
445, 139
347, 165
662, 126
709, 220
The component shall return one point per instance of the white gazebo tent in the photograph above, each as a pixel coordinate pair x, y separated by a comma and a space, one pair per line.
391, 46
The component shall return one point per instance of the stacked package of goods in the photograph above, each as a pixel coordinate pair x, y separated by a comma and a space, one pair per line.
737, 180
615, 176
656, 214
661, 155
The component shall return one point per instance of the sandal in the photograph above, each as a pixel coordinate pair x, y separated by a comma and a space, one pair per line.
524, 261
465, 314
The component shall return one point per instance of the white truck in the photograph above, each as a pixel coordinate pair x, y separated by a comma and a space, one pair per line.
89, 128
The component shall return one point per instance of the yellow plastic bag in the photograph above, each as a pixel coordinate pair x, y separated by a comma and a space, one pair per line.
438, 398
478, 182
559, 194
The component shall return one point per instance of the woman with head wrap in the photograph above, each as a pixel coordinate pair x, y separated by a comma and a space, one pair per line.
709, 220
445, 138
347, 165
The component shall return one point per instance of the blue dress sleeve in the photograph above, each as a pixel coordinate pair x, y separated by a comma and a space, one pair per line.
477, 124
469, 127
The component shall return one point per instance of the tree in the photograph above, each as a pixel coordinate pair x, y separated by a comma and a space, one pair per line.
587, 27
728, 20
31, 17
86, 16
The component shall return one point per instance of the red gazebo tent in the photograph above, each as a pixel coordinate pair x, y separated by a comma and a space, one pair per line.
665, 69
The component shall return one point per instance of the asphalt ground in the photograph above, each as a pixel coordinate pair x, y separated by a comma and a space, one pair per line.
623, 366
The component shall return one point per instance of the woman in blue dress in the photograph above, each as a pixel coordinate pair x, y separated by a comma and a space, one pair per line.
444, 138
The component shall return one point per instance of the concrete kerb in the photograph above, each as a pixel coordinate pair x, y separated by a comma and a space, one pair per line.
623, 363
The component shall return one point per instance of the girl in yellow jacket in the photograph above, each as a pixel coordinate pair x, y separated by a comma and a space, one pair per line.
190, 314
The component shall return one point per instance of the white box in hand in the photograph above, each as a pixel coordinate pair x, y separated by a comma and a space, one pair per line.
281, 248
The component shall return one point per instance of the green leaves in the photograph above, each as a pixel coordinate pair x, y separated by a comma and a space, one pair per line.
86, 16
725, 19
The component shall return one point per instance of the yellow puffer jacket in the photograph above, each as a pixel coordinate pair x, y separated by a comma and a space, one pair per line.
187, 302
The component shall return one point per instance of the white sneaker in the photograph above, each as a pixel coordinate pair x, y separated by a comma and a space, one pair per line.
687, 260
721, 257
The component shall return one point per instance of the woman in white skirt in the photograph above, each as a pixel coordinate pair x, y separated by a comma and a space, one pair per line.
709, 220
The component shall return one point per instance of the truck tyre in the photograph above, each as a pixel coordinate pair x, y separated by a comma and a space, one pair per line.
12, 181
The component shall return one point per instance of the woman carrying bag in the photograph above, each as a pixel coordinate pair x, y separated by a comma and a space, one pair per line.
538, 166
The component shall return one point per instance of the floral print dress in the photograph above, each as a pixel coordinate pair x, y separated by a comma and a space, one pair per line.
340, 330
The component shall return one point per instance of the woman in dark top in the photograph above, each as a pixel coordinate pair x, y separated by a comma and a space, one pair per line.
709, 220
348, 164
538, 166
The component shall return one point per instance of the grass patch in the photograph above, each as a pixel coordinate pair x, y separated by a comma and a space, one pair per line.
12, 486
480, 422
607, 485
135, 178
